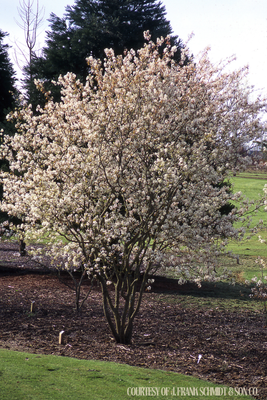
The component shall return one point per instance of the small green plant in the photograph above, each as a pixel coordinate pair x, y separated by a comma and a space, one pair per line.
30, 314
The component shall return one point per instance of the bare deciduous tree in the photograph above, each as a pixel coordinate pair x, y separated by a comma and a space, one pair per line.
30, 20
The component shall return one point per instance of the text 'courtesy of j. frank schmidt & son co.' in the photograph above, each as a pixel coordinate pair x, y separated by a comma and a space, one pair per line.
191, 391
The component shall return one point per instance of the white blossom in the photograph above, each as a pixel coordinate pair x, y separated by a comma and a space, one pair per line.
129, 164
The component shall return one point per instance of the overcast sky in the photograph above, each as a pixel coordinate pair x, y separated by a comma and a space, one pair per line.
229, 27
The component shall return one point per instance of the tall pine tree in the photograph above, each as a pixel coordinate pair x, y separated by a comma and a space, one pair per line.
7, 99
90, 26
7, 81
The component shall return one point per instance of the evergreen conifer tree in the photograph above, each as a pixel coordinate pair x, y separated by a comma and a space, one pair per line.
7, 99
7, 81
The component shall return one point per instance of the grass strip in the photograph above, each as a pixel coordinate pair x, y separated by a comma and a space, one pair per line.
25, 376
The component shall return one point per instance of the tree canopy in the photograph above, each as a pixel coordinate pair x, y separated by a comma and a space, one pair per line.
127, 169
89, 27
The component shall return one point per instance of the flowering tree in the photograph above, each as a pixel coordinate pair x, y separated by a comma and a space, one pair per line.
128, 170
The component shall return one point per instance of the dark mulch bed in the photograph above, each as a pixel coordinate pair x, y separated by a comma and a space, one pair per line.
167, 336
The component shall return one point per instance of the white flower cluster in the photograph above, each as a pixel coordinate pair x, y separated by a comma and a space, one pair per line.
260, 289
129, 166
5, 231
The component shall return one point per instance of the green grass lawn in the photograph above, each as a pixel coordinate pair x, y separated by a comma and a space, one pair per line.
25, 376
224, 295
251, 185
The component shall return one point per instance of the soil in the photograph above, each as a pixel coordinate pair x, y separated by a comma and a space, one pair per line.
167, 336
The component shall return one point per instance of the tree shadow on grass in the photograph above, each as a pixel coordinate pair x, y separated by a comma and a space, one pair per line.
218, 290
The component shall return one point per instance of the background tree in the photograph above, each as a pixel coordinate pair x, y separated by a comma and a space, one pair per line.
127, 173
88, 27
8, 94
7, 82
30, 20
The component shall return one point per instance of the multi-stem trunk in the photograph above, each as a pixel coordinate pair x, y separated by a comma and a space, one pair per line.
122, 305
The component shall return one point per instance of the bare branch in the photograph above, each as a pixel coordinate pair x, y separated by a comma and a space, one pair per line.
31, 19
